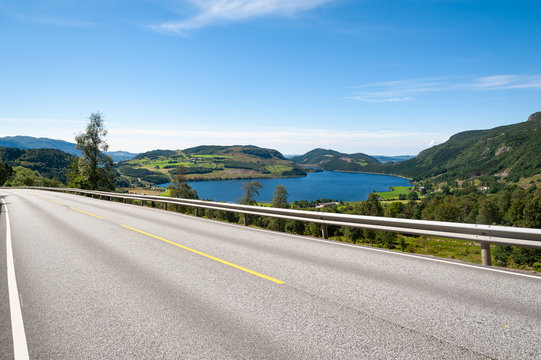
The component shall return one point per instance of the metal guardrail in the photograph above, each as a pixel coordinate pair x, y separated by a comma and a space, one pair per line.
485, 234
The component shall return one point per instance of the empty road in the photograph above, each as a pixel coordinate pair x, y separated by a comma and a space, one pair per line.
104, 280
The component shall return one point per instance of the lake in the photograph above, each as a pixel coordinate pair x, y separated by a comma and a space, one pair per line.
314, 186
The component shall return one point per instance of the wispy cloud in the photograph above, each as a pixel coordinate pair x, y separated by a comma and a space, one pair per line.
395, 91
408, 90
209, 12
505, 82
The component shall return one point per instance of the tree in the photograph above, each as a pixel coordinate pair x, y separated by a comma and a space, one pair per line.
395, 209
180, 188
94, 169
279, 200
370, 207
532, 213
251, 190
386, 239
413, 196
5, 172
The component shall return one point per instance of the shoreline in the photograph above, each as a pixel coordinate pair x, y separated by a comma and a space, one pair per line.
373, 173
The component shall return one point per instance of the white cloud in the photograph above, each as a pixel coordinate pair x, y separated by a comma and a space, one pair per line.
210, 12
408, 90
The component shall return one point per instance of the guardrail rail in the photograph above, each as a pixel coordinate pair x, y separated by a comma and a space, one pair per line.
484, 234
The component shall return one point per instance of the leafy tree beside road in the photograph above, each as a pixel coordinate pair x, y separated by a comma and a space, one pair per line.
5, 172
251, 190
279, 200
93, 170
180, 188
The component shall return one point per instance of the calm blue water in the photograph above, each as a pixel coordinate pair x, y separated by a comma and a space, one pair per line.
314, 186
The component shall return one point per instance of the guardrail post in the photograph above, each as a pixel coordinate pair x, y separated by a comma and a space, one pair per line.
245, 219
165, 206
485, 254
324, 231
123, 200
142, 202
196, 211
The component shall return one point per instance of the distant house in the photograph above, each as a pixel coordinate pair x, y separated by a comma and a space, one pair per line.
324, 205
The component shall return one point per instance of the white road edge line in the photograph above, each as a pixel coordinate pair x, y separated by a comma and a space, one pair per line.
20, 347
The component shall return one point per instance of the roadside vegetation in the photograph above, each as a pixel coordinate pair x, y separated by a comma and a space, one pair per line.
94, 169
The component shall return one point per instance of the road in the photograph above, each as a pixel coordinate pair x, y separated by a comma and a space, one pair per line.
104, 280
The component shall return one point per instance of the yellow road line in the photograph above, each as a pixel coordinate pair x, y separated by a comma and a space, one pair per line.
73, 208
44, 198
84, 212
208, 256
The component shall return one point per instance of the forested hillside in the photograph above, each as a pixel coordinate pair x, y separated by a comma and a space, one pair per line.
334, 161
50, 163
508, 152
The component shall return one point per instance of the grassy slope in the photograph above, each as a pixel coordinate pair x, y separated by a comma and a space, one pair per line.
207, 163
395, 192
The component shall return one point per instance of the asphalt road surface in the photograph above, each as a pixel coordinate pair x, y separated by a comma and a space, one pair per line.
104, 280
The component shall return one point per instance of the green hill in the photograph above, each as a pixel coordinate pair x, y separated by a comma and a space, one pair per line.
207, 163
334, 161
509, 152
50, 163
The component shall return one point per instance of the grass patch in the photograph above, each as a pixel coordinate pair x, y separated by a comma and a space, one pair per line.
278, 169
395, 192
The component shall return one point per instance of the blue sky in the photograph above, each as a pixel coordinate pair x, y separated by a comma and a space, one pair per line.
375, 76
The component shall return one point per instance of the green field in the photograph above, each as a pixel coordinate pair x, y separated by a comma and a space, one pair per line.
234, 162
394, 193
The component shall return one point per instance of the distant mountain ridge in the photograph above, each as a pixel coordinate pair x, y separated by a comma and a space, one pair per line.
30, 142
331, 160
398, 158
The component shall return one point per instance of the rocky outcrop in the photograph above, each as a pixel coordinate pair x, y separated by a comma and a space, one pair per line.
535, 116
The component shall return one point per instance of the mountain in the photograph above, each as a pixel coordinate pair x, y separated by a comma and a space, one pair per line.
50, 163
118, 156
207, 162
29, 142
509, 152
398, 158
333, 160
